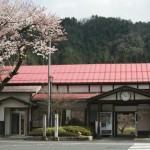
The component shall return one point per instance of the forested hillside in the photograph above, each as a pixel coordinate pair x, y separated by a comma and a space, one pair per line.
101, 40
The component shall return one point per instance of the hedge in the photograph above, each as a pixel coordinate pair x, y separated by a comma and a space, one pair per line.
63, 131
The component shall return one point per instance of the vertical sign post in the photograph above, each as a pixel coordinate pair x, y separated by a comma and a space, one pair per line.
56, 127
44, 127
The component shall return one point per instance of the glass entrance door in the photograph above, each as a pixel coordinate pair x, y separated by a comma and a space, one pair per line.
18, 122
125, 123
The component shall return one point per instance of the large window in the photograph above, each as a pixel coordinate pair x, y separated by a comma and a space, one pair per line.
37, 117
78, 114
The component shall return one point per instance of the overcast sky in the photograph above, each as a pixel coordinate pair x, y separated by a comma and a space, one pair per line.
135, 10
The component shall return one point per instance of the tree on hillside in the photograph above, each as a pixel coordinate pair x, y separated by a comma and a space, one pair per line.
25, 27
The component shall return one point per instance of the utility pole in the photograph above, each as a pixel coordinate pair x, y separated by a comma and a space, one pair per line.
49, 89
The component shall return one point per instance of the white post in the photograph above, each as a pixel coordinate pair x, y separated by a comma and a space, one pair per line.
96, 127
136, 124
56, 127
44, 127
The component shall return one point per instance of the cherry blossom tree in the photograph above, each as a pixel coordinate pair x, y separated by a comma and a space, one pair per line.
24, 27
125, 122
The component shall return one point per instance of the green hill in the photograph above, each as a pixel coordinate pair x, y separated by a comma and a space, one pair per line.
101, 40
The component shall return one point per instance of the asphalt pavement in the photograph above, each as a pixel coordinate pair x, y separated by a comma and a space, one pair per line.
97, 144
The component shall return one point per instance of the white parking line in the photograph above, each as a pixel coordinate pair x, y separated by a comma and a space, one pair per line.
140, 146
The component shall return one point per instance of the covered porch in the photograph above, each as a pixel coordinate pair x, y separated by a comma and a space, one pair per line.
124, 111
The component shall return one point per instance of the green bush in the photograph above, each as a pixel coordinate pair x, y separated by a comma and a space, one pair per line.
62, 131
75, 122
36, 132
49, 131
76, 129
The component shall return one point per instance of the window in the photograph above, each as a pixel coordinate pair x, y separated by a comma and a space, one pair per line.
78, 114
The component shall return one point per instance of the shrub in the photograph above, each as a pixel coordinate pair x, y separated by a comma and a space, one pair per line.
62, 131
76, 129
75, 122
49, 131
36, 132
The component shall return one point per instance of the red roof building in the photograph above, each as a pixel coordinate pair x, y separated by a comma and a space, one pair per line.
104, 94
84, 73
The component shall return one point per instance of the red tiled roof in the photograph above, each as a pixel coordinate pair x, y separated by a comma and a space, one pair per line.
84, 73
66, 96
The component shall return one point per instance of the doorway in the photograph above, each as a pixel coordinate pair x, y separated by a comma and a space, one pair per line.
18, 122
125, 123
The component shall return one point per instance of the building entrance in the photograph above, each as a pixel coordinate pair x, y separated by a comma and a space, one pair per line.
125, 123
18, 122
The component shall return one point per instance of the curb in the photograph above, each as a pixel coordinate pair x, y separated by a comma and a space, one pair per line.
50, 138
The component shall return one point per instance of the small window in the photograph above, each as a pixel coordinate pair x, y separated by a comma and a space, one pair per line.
78, 114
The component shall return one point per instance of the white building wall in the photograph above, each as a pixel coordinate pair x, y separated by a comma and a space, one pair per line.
62, 88
78, 88
140, 97
44, 89
106, 88
110, 97
133, 85
139, 86
117, 86
95, 88
143, 86
85, 88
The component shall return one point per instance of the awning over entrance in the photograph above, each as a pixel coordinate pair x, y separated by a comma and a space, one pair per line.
122, 111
